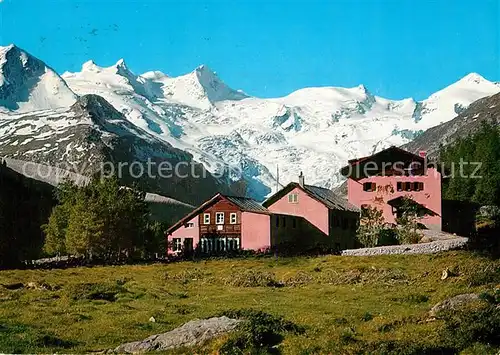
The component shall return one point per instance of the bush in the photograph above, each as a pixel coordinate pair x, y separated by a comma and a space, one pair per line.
258, 334
387, 236
490, 274
95, 291
466, 327
370, 226
252, 278
413, 298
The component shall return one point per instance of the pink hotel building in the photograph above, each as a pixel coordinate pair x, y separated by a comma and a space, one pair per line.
302, 217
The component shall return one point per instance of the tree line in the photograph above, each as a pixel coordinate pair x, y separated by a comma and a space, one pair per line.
471, 176
102, 220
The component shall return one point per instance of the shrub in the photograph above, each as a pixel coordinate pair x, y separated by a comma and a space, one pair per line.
413, 298
367, 317
258, 334
370, 226
252, 278
490, 274
387, 236
298, 279
95, 291
348, 336
465, 327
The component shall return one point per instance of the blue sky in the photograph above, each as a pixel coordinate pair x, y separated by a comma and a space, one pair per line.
397, 48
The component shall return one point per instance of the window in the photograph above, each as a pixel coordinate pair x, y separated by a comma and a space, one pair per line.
190, 225
219, 218
369, 186
232, 218
233, 244
293, 198
410, 186
206, 218
176, 244
204, 245
188, 244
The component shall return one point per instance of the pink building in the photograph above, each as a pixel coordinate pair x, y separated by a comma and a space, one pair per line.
383, 179
222, 224
328, 220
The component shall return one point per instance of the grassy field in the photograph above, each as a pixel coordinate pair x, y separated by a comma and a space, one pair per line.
340, 301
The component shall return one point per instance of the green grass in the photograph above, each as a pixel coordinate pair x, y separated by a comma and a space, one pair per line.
341, 301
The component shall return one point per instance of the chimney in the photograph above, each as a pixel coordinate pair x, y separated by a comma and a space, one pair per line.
422, 154
301, 180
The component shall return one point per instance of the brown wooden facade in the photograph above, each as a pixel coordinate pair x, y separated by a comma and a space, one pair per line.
223, 229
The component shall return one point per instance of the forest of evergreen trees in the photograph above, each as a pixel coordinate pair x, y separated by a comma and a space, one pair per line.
102, 220
471, 177
479, 183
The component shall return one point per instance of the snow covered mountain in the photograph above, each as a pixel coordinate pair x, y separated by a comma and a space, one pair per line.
27, 84
315, 130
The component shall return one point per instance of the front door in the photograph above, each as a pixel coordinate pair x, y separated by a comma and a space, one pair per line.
188, 245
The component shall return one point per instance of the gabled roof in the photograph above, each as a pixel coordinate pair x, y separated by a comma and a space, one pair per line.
245, 204
389, 155
327, 197
421, 209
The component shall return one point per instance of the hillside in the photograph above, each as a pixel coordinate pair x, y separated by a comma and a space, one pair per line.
466, 123
234, 135
92, 133
348, 305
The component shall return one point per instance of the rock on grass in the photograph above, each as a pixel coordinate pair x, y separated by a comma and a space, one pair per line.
192, 333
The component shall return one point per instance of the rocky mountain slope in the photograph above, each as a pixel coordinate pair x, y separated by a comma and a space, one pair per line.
484, 110
92, 132
315, 130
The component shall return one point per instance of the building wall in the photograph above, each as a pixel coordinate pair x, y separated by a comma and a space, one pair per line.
315, 212
224, 229
255, 231
185, 232
342, 231
429, 197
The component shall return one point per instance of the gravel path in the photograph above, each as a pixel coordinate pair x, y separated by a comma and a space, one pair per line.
439, 241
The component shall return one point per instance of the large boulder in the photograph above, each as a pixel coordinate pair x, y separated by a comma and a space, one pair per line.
454, 303
192, 333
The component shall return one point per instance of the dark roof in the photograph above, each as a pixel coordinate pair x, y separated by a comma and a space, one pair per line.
244, 203
330, 199
327, 197
421, 209
247, 204
389, 155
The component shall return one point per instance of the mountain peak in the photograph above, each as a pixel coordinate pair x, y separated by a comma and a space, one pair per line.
154, 75
90, 65
28, 84
473, 78
120, 64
